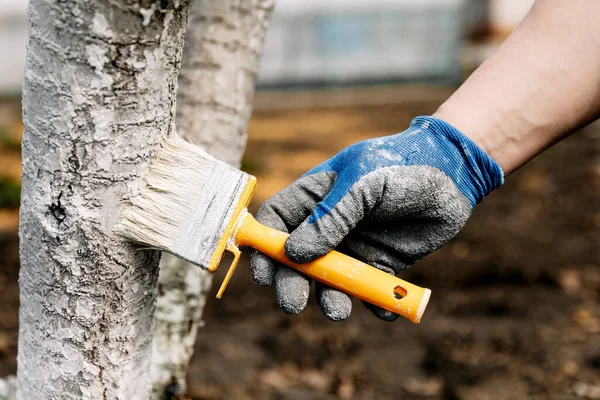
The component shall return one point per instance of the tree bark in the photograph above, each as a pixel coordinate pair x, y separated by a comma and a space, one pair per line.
216, 87
98, 94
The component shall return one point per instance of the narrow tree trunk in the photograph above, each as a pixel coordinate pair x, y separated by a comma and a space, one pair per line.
216, 87
98, 94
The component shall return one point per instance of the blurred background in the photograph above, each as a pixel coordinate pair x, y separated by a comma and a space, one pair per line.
515, 312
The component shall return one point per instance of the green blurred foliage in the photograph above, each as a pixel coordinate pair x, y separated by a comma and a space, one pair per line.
10, 193
8, 143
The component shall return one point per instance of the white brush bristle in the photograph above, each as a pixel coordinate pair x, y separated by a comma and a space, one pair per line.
185, 203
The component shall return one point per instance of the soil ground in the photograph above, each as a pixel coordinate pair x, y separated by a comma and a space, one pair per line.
515, 311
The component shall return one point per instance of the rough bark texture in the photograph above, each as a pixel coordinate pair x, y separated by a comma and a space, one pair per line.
216, 87
99, 92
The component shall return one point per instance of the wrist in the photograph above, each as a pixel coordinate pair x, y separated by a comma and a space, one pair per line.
509, 137
471, 169
491, 135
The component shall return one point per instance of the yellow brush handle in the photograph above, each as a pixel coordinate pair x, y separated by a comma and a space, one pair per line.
341, 272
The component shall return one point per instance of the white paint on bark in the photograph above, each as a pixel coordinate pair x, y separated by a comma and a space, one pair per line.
216, 87
98, 94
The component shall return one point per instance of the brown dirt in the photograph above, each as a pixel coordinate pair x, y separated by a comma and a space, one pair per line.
515, 311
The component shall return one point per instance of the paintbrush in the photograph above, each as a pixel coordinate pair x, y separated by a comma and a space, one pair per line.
195, 207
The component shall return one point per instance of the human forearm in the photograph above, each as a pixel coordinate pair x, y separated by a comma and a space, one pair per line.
541, 84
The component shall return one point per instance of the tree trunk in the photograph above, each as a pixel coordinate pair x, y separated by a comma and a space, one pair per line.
216, 87
99, 93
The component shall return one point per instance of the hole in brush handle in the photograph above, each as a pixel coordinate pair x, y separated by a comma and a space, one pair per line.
400, 292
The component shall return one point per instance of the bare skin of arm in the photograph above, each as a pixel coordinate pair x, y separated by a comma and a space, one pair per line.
542, 84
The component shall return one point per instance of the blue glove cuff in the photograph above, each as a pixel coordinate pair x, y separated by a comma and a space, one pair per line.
470, 168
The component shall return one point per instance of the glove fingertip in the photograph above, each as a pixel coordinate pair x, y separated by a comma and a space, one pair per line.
381, 313
336, 305
262, 269
292, 290
305, 244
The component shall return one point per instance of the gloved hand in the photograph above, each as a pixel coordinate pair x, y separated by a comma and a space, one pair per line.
387, 201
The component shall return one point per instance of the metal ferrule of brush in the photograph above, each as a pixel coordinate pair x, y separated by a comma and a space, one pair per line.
203, 230
227, 241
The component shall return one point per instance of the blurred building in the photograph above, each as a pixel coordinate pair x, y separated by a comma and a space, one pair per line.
13, 36
315, 41
342, 41
349, 41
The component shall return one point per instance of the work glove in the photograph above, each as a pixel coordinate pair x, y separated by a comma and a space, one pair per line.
388, 202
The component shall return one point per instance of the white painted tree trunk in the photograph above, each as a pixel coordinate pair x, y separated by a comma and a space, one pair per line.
216, 87
99, 92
